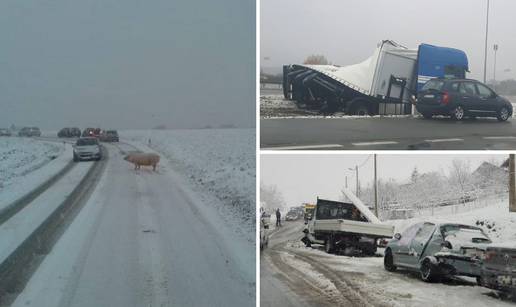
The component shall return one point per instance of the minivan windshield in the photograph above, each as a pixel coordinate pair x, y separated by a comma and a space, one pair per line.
433, 85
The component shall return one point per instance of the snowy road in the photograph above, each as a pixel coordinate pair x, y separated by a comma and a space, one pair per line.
314, 278
142, 239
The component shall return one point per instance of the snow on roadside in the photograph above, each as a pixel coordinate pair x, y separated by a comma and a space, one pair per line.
219, 162
26, 163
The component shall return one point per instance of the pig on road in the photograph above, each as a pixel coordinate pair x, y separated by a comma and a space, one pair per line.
145, 159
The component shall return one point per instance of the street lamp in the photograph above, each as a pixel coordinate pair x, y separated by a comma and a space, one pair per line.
495, 48
485, 50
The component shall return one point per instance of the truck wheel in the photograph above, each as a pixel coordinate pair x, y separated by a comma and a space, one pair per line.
503, 114
329, 245
458, 113
369, 250
361, 110
428, 271
388, 261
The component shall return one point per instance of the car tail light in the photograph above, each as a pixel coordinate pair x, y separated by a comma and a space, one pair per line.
446, 98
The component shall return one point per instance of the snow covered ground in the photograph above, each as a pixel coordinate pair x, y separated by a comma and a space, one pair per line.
219, 163
26, 163
365, 279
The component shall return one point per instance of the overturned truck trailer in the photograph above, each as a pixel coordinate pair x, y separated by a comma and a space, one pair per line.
382, 84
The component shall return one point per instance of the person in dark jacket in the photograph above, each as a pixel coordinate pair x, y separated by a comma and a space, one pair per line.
278, 218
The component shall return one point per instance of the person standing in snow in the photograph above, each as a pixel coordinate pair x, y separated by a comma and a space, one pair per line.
278, 218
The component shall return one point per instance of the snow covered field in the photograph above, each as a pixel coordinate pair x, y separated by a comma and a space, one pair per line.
219, 163
26, 163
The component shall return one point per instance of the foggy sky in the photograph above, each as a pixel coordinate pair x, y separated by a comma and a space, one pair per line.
301, 178
127, 63
347, 32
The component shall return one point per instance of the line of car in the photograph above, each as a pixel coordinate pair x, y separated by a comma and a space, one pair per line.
23, 132
87, 146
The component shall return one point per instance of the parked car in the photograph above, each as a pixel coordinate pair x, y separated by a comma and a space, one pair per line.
75, 132
87, 148
499, 268
69, 133
91, 132
264, 230
292, 215
5, 132
64, 133
109, 136
459, 98
35, 131
29, 131
437, 250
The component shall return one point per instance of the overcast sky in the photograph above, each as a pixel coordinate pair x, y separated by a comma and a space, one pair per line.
347, 31
127, 63
301, 178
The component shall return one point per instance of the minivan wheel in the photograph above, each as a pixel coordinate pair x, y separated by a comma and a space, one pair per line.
428, 271
427, 115
361, 110
503, 114
388, 261
458, 113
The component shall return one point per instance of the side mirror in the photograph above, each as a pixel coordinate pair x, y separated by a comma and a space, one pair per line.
397, 236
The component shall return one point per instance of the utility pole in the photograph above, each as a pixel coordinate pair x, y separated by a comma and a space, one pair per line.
485, 50
495, 48
375, 189
512, 182
356, 173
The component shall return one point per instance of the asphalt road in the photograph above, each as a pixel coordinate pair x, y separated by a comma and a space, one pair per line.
141, 240
377, 133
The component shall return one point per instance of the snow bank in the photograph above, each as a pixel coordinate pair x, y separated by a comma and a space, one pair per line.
26, 163
219, 162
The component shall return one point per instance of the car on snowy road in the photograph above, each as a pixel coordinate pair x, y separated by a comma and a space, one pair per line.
87, 148
29, 131
437, 250
5, 132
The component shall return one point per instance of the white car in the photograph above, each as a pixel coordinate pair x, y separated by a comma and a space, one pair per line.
87, 148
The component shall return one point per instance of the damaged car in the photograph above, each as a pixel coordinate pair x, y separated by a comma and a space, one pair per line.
438, 250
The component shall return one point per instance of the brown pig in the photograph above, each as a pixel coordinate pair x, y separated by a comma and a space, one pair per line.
145, 159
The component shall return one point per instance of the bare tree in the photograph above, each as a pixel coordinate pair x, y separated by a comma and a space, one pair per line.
270, 197
459, 173
316, 59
